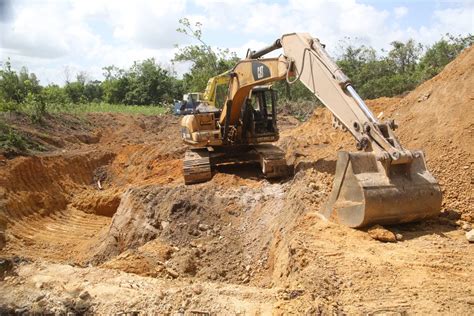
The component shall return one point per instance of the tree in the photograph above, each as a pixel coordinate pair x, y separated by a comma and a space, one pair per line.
93, 91
74, 91
115, 85
15, 87
405, 55
145, 83
54, 94
205, 62
149, 83
374, 76
441, 53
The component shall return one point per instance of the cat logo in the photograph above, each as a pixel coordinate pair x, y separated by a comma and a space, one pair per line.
260, 71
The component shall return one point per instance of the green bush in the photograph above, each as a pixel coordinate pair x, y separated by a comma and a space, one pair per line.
35, 107
10, 139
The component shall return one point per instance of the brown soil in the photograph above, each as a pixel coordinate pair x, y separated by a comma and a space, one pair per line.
104, 223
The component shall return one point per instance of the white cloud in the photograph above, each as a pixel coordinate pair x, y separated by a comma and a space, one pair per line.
400, 12
49, 35
87, 35
457, 20
328, 20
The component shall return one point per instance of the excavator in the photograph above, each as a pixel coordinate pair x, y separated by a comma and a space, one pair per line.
210, 94
192, 100
381, 183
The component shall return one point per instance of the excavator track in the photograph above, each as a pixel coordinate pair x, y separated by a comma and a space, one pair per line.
196, 166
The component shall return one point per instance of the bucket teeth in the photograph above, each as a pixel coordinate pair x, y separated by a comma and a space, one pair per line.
367, 191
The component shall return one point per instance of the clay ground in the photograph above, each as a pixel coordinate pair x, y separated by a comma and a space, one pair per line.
103, 223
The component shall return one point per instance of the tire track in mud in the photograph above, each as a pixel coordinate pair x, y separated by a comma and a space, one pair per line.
63, 236
36, 221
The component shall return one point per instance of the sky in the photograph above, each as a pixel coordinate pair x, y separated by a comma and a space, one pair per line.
56, 39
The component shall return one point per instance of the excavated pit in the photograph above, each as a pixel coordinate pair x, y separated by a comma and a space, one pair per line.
128, 209
39, 217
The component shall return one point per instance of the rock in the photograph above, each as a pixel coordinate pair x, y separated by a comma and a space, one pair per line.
203, 227
466, 217
399, 236
470, 235
380, 233
466, 227
84, 295
197, 289
424, 97
39, 297
172, 273
164, 224
81, 306
453, 215
6, 267
189, 265
20, 311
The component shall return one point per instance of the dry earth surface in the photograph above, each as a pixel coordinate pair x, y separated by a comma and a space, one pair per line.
103, 223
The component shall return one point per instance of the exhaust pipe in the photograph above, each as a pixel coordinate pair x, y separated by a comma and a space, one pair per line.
263, 51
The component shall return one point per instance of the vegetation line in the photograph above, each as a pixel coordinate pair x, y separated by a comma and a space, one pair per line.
148, 88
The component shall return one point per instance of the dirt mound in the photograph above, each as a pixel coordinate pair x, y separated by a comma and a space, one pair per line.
438, 118
44, 196
212, 232
41, 184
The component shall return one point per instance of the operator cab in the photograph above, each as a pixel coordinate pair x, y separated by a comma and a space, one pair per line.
259, 115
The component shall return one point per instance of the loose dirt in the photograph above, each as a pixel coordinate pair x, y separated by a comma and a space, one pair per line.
102, 222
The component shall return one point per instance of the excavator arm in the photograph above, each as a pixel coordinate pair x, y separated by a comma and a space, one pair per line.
383, 183
320, 74
306, 58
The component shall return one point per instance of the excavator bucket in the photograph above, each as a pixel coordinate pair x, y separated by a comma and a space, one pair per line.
368, 191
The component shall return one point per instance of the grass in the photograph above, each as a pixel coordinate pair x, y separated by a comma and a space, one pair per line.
107, 108
37, 109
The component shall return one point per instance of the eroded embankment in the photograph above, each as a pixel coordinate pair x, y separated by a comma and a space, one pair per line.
54, 205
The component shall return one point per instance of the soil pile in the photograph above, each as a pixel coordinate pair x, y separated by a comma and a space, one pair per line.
438, 117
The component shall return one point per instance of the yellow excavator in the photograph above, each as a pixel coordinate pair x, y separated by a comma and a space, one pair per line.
210, 94
382, 183
192, 100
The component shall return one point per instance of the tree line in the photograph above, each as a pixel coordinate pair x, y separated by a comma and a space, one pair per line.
374, 74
